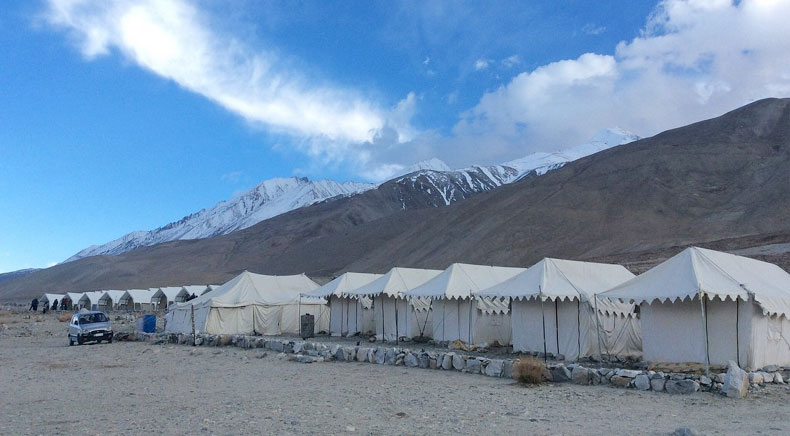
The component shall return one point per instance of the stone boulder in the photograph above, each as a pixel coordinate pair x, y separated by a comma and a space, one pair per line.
362, 354
381, 355
778, 378
411, 360
447, 361
657, 384
642, 382
620, 381
560, 373
473, 365
494, 368
756, 378
736, 382
458, 362
580, 376
681, 386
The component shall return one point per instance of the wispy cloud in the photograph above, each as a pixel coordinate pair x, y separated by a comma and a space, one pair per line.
511, 61
174, 40
481, 64
592, 29
232, 177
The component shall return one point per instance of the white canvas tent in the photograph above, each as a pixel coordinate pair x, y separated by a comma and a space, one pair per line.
554, 310
395, 316
74, 297
710, 307
49, 299
136, 299
250, 304
90, 300
348, 315
457, 316
110, 300
165, 296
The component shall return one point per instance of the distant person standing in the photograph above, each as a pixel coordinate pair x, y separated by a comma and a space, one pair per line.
55, 305
65, 303
34, 305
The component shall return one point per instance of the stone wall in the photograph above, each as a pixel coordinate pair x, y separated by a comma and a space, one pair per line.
645, 380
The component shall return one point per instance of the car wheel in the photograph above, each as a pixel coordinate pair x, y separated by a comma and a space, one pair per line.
80, 340
98, 341
109, 341
71, 341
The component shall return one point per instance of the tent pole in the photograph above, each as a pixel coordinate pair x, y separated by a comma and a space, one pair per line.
557, 323
737, 333
444, 315
471, 299
705, 326
298, 316
330, 316
543, 317
397, 329
598, 327
381, 296
579, 327
192, 315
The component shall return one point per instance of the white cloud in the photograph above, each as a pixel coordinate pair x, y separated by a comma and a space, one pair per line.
481, 64
51, 264
231, 177
592, 29
174, 40
695, 59
511, 61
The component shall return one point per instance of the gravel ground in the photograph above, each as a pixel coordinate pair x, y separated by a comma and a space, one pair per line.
47, 387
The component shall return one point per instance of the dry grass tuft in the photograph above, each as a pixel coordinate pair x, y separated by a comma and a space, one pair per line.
529, 370
63, 317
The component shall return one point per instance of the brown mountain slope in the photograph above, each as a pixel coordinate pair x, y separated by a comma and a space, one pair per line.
723, 182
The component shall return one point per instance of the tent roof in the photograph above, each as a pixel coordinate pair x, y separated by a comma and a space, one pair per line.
197, 289
170, 292
92, 296
395, 282
113, 295
462, 280
74, 296
248, 288
713, 273
52, 297
138, 295
551, 279
346, 282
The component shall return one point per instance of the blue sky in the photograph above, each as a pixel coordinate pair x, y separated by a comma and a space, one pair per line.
118, 116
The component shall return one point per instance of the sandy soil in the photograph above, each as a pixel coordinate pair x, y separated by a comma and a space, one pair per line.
47, 387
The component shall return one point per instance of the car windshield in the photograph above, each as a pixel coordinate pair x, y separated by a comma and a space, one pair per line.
92, 318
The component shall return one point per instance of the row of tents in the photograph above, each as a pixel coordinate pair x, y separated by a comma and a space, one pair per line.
128, 300
700, 306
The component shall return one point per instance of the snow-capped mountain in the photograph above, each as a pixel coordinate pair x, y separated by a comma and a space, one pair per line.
540, 163
440, 188
430, 183
270, 198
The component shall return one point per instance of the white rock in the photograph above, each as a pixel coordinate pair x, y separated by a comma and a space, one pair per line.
494, 368
630, 373
778, 378
657, 384
767, 377
756, 378
736, 382
411, 360
458, 362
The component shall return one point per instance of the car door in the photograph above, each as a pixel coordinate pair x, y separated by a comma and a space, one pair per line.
73, 325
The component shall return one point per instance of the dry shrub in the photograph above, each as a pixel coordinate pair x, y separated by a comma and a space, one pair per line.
529, 370
63, 317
